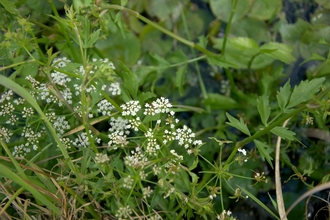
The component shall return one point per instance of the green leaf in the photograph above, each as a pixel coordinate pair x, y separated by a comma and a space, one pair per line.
263, 108
305, 91
283, 95
93, 38
240, 125
310, 170
258, 202
243, 43
180, 76
265, 10
264, 151
130, 80
6, 172
217, 101
283, 133
223, 8
9, 6
278, 51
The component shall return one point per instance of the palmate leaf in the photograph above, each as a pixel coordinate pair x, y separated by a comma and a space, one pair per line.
239, 124
263, 108
264, 151
304, 91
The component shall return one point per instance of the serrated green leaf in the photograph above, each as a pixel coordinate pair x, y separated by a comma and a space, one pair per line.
93, 38
264, 151
283, 133
217, 101
240, 125
130, 80
304, 91
9, 6
283, 95
180, 76
278, 51
263, 108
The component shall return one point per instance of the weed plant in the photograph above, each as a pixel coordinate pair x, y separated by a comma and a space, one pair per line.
131, 111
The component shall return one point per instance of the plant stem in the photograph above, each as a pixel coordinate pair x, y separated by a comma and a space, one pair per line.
228, 27
199, 75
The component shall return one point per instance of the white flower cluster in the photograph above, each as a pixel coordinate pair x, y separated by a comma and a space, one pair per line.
128, 182
137, 159
114, 88
124, 213
225, 215
6, 96
130, 108
146, 191
161, 105
117, 139
82, 140
21, 150
41, 92
5, 134
119, 124
105, 107
101, 158
61, 125
32, 137
27, 112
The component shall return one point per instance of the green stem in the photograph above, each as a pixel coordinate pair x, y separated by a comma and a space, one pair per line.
247, 140
228, 73
165, 31
228, 27
199, 75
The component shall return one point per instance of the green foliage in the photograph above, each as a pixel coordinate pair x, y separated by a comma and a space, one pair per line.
159, 109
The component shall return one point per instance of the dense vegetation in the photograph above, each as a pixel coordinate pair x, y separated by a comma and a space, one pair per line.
167, 109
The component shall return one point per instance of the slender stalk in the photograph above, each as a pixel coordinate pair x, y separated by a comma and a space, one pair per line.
199, 75
228, 27
157, 26
223, 50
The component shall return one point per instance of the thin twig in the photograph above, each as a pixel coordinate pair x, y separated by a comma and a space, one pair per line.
279, 194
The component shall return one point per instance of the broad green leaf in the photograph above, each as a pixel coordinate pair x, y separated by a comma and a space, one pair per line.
278, 51
131, 83
217, 101
223, 8
292, 32
283, 133
6, 172
283, 95
145, 96
240, 125
243, 43
117, 47
265, 10
9, 6
305, 91
180, 76
264, 151
252, 28
263, 108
